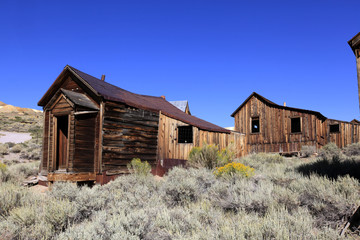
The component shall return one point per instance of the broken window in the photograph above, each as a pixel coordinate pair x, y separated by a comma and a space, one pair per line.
185, 134
334, 128
255, 125
295, 125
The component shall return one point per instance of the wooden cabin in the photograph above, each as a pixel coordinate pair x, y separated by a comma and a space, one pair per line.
93, 129
269, 127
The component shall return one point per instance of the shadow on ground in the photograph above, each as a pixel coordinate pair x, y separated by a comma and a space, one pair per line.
332, 169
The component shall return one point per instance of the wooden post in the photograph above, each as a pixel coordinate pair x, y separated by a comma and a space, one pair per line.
357, 55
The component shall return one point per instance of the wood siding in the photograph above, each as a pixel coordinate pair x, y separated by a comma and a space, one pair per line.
348, 133
45, 147
128, 133
85, 134
169, 148
275, 128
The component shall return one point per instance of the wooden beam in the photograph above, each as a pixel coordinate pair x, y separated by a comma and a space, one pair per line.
76, 177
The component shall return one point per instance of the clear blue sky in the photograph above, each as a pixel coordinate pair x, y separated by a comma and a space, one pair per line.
212, 53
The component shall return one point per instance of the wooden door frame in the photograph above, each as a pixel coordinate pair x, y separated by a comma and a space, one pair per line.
55, 142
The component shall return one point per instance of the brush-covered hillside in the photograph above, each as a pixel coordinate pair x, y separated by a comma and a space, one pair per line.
17, 119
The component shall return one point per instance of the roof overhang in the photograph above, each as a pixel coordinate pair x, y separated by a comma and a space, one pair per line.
355, 42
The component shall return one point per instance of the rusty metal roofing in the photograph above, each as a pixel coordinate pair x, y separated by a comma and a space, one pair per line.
278, 106
113, 93
79, 99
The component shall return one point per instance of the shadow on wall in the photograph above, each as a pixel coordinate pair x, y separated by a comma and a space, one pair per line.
332, 169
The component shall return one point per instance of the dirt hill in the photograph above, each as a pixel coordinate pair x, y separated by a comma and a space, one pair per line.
6, 108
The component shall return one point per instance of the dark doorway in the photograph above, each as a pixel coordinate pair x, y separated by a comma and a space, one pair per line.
62, 137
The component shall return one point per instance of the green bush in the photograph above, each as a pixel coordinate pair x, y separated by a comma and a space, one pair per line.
210, 157
138, 167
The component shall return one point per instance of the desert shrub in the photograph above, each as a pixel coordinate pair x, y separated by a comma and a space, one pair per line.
227, 154
17, 148
234, 169
307, 150
181, 187
206, 156
352, 150
242, 194
210, 157
59, 214
4, 149
24, 170
89, 200
328, 205
330, 152
31, 154
12, 196
10, 144
184, 186
138, 167
4, 173
64, 190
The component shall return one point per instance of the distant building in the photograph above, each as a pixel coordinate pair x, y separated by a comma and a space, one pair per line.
182, 105
269, 127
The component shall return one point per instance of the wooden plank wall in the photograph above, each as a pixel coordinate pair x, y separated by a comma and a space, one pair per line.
275, 128
85, 134
45, 147
169, 148
128, 133
349, 133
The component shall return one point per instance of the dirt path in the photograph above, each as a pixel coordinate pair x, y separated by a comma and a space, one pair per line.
14, 137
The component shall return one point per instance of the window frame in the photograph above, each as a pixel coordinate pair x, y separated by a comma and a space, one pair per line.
180, 131
291, 125
256, 118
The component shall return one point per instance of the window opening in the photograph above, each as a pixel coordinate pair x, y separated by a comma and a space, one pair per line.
334, 128
185, 134
295, 125
255, 125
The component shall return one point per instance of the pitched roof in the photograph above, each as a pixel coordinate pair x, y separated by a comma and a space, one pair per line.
79, 99
113, 93
277, 106
180, 104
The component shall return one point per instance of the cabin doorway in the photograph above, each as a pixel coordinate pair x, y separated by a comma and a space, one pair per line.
62, 141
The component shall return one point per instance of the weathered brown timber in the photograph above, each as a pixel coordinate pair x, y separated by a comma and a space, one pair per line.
348, 133
275, 133
128, 133
94, 128
170, 148
285, 129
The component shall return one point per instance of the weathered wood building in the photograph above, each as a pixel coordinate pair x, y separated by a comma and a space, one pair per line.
269, 127
92, 129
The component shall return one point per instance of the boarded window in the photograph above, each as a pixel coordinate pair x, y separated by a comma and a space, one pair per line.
185, 134
295, 125
334, 128
255, 125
